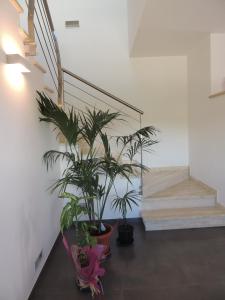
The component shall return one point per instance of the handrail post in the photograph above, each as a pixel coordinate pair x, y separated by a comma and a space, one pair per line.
31, 7
60, 73
59, 66
45, 2
141, 179
31, 40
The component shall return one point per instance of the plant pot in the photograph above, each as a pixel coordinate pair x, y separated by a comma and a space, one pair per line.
104, 238
88, 269
125, 234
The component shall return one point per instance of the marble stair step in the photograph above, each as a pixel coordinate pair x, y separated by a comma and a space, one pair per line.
183, 218
161, 178
188, 193
17, 6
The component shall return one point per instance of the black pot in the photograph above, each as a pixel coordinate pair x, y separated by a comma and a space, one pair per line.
125, 234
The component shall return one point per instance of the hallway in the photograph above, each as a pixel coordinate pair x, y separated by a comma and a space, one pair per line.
169, 265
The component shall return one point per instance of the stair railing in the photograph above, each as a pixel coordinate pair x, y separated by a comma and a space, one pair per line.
102, 91
81, 94
41, 32
57, 51
73, 90
30, 41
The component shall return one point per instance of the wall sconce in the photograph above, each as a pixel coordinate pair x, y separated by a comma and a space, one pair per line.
18, 62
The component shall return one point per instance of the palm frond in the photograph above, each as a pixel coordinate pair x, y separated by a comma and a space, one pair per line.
52, 156
106, 145
67, 124
123, 204
94, 122
147, 132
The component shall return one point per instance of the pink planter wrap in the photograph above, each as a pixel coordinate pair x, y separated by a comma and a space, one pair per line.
88, 276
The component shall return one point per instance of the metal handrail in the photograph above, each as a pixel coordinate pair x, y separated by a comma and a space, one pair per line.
31, 31
47, 28
45, 2
98, 99
59, 66
60, 70
102, 91
31, 8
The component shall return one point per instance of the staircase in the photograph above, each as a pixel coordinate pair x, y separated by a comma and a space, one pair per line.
174, 200
70, 91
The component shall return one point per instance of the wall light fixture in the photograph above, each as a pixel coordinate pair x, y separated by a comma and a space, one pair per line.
19, 63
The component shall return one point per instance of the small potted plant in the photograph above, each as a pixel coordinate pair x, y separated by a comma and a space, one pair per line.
71, 215
132, 145
123, 204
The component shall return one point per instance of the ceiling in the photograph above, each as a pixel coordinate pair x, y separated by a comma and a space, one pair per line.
171, 27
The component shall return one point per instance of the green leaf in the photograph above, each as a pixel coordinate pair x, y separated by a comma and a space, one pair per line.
67, 124
123, 204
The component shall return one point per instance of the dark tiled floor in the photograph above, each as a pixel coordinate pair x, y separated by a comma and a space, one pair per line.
167, 265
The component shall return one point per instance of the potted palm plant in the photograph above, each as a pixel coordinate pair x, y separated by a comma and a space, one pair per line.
123, 204
91, 172
131, 146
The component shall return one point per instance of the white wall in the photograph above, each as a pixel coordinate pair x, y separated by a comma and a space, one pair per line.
217, 58
161, 91
98, 51
207, 121
171, 27
29, 215
135, 11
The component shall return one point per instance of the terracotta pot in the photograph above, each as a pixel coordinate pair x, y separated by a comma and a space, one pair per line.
104, 239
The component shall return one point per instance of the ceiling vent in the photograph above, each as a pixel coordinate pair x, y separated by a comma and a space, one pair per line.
72, 24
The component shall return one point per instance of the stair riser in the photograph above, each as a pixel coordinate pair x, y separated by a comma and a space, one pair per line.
160, 177
157, 176
200, 222
164, 182
178, 203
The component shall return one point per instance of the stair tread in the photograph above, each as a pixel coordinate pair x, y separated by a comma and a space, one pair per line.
39, 66
184, 212
23, 33
49, 89
185, 189
161, 178
17, 6
156, 174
